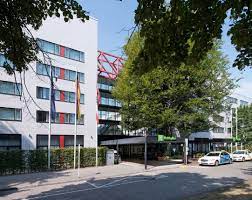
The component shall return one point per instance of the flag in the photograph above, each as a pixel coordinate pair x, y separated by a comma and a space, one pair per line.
78, 113
97, 104
53, 108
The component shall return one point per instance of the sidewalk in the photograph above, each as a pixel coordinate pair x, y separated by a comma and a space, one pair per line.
17, 182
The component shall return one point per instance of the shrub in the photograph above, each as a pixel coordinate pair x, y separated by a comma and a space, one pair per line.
27, 161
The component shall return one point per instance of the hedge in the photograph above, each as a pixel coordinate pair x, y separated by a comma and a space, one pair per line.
29, 161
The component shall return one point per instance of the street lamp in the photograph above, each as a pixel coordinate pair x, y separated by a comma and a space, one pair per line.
236, 127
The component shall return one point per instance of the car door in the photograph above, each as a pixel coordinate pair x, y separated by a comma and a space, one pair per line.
250, 155
226, 157
222, 158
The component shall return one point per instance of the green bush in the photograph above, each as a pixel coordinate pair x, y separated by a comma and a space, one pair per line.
22, 161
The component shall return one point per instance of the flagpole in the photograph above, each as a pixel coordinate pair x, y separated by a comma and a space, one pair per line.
75, 122
97, 122
49, 132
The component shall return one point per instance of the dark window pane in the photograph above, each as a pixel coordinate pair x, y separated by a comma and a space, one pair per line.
42, 116
71, 97
72, 75
82, 98
66, 76
7, 114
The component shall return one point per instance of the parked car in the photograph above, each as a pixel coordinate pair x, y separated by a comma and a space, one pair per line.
242, 155
215, 158
117, 157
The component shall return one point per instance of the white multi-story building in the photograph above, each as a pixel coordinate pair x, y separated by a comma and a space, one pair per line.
24, 108
221, 135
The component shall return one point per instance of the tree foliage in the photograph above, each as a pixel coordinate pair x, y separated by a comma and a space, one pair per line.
16, 19
170, 28
244, 123
165, 98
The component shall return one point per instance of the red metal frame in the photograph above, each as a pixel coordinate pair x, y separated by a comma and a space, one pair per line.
109, 65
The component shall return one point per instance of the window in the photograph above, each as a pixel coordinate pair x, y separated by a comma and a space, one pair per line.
218, 130
55, 49
82, 98
112, 116
42, 141
72, 118
43, 116
69, 118
66, 75
56, 72
69, 140
10, 141
71, 97
81, 77
57, 95
49, 47
232, 100
82, 57
43, 69
3, 60
42, 93
72, 75
81, 120
10, 114
66, 118
56, 118
10, 88
66, 96
74, 54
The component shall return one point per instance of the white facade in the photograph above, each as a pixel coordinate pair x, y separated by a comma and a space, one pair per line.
224, 125
75, 35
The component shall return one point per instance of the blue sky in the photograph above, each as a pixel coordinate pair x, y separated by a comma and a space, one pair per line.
116, 17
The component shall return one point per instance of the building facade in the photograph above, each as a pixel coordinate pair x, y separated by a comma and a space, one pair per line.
220, 136
68, 48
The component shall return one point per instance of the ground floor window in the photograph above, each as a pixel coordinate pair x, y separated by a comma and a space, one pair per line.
59, 141
10, 141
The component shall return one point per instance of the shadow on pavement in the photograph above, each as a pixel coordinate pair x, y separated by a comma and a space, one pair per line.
177, 185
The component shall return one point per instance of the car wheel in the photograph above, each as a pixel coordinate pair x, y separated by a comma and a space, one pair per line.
216, 163
243, 159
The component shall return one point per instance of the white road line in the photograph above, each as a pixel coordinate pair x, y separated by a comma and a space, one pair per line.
115, 181
92, 184
89, 189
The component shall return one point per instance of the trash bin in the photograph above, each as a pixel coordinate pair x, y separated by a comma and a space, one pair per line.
110, 157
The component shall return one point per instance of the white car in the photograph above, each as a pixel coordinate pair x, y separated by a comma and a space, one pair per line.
215, 158
241, 155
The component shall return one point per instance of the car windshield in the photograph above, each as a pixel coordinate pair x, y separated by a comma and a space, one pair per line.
213, 154
239, 152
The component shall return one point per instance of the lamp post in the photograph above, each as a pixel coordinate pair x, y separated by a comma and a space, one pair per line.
236, 128
231, 131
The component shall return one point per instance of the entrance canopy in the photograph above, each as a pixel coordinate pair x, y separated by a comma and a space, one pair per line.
137, 140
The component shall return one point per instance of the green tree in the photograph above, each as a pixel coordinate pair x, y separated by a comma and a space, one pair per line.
244, 124
170, 27
17, 17
168, 98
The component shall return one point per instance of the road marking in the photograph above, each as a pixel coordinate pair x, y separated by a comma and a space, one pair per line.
92, 184
115, 181
89, 189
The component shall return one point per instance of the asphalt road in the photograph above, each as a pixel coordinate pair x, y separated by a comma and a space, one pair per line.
166, 183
